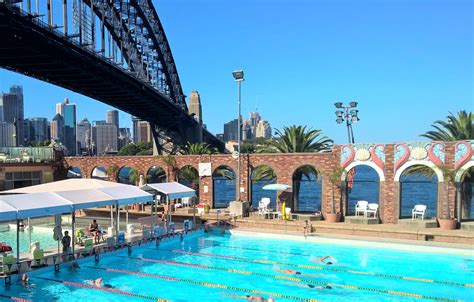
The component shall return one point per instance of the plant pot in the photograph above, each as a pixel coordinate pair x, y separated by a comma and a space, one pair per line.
448, 224
333, 217
206, 209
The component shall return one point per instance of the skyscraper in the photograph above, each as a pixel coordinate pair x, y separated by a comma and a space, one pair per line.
246, 131
37, 129
83, 136
104, 137
135, 121
195, 106
68, 112
12, 111
254, 119
113, 117
7, 134
57, 128
230, 131
144, 132
124, 138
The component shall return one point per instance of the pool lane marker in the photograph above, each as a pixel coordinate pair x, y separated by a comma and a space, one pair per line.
258, 250
294, 279
205, 284
15, 298
110, 290
318, 267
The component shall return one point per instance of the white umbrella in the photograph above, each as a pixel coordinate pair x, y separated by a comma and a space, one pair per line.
277, 187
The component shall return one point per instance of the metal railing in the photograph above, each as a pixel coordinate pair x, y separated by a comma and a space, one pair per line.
26, 154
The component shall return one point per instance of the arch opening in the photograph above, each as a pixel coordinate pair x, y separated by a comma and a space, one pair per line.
418, 185
128, 175
99, 172
223, 183
74, 172
189, 176
307, 192
261, 176
466, 195
363, 183
156, 174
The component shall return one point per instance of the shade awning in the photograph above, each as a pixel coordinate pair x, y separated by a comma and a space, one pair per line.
173, 190
37, 204
127, 194
7, 212
88, 198
67, 196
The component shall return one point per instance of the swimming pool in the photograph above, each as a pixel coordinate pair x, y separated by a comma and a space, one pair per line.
215, 267
43, 235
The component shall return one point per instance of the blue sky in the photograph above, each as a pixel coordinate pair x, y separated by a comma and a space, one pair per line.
407, 63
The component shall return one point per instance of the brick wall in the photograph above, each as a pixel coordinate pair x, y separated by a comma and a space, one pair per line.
284, 166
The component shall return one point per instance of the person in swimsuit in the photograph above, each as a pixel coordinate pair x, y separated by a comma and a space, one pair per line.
290, 272
306, 229
99, 282
25, 280
326, 260
94, 230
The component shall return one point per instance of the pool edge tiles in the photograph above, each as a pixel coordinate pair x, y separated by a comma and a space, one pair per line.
412, 247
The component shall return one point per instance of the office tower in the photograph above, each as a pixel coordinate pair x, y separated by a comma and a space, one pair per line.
230, 131
36, 129
263, 130
57, 128
246, 131
68, 112
254, 119
7, 134
113, 117
124, 138
195, 106
135, 121
13, 112
104, 137
83, 135
144, 132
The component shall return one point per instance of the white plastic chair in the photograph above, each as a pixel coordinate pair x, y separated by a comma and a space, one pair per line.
361, 207
372, 208
185, 201
418, 210
263, 206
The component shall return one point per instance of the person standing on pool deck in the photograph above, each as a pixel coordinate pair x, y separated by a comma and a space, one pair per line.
94, 229
66, 241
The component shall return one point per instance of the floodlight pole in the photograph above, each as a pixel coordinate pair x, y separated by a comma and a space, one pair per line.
239, 77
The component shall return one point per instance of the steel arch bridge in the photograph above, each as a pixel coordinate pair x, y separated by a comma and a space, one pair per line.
114, 51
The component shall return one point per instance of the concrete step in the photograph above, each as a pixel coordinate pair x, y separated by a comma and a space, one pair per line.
361, 220
418, 223
467, 226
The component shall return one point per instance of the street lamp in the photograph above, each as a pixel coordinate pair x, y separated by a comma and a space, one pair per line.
239, 77
350, 115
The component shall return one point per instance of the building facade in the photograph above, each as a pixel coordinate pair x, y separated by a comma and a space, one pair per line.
12, 111
36, 129
83, 136
263, 130
230, 130
57, 128
7, 134
104, 137
68, 111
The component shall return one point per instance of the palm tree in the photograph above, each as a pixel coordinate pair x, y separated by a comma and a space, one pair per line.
449, 178
335, 177
111, 171
133, 176
297, 139
172, 166
198, 149
456, 128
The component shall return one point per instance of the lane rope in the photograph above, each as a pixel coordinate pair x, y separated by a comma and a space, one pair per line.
287, 278
318, 267
205, 284
15, 298
110, 290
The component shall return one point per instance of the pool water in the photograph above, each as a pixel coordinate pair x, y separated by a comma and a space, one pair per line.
45, 237
215, 267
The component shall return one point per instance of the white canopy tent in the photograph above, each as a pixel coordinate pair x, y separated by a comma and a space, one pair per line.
67, 196
172, 190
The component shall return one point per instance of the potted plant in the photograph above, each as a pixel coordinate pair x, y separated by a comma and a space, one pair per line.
446, 222
335, 177
206, 208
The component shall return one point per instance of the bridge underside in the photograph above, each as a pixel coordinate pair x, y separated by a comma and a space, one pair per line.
35, 51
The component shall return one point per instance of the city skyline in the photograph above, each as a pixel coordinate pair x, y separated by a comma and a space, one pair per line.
397, 72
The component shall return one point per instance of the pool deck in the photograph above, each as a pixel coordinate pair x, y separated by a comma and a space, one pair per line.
377, 232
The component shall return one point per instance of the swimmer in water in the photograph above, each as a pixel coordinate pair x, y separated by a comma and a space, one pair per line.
290, 272
74, 266
25, 280
310, 286
251, 298
99, 282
